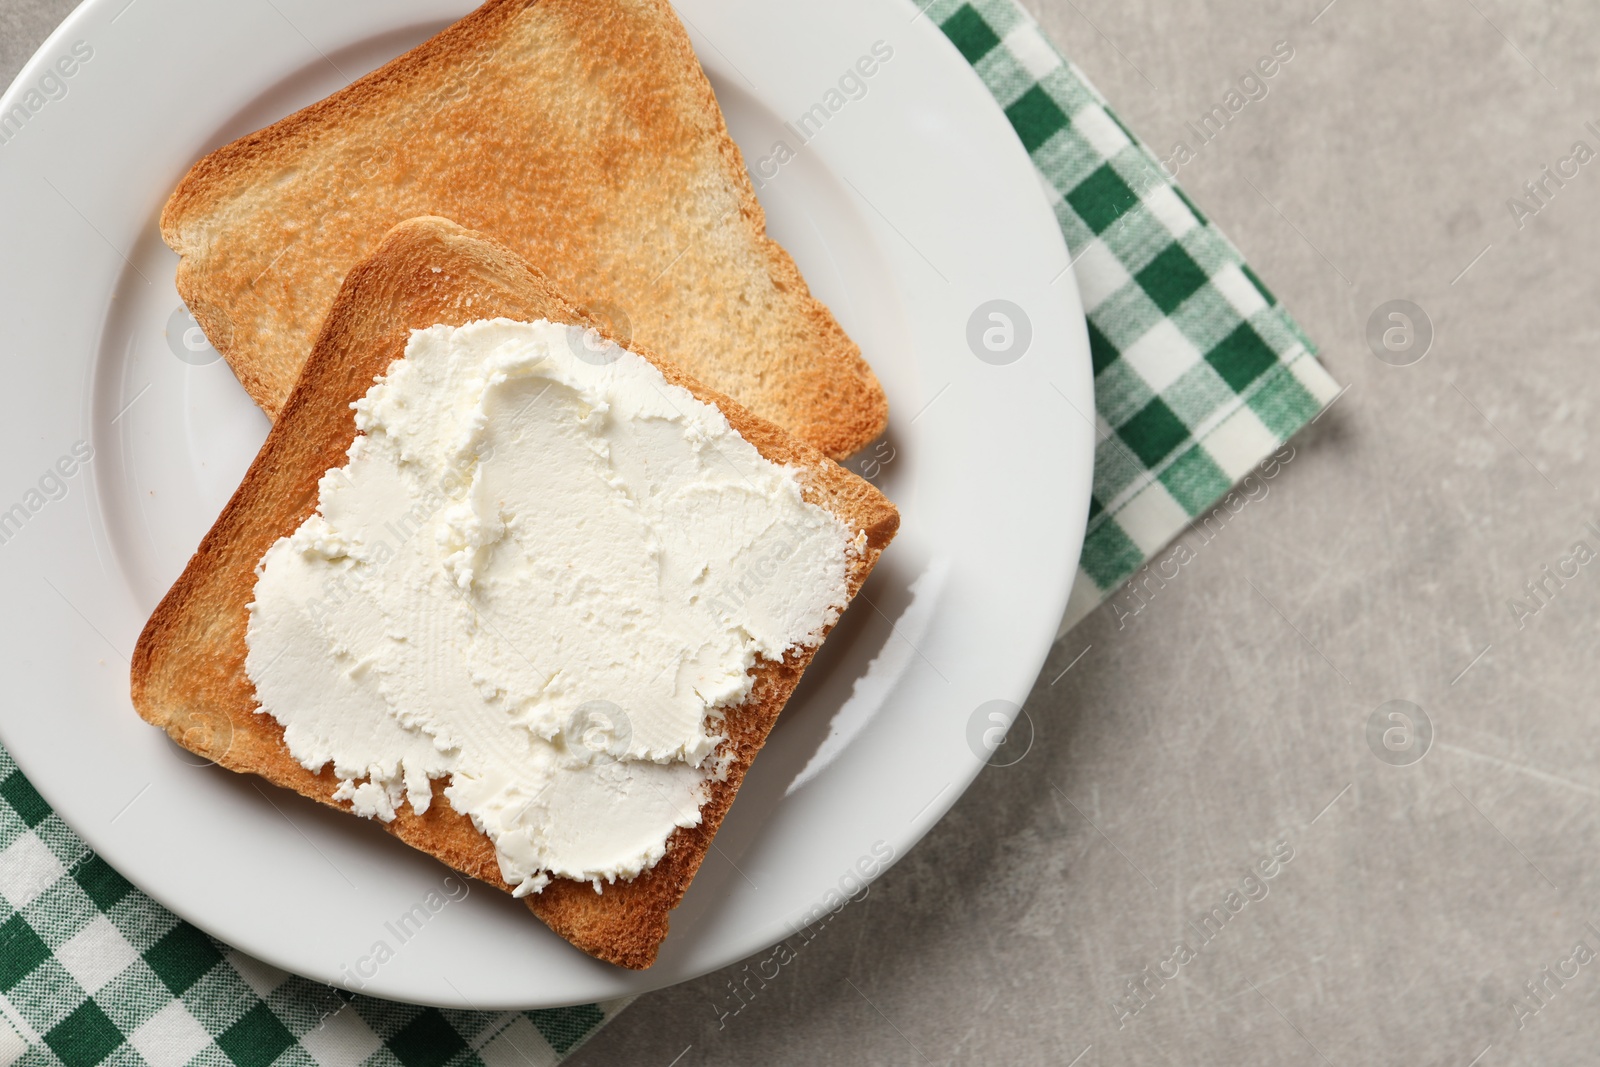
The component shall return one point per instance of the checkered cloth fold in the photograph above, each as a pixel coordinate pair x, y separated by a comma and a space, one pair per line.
1199, 376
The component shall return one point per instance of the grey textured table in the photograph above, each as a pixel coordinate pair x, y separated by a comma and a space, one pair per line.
1231, 714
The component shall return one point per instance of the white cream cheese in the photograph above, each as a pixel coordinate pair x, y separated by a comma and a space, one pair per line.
544, 573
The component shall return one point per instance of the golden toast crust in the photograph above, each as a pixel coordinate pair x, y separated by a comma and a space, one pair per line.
583, 135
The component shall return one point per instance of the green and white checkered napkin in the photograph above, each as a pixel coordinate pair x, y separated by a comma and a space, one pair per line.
1199, 376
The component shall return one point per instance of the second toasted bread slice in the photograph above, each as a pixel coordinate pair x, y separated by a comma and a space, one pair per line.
190, 672
583, 135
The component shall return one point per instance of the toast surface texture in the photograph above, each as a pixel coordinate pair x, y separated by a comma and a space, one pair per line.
189, 674
581, 134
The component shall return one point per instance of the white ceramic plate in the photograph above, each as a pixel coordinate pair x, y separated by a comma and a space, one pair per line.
913, 206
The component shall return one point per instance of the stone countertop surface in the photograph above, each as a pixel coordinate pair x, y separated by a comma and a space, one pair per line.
1222, 731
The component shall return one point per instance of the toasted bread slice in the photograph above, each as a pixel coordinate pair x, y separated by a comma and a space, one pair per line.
583, 135
189, 668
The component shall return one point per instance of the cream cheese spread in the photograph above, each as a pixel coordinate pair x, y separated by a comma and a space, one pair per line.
544, 573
